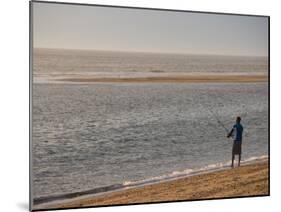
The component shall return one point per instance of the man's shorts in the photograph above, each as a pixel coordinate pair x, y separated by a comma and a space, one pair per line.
236, 149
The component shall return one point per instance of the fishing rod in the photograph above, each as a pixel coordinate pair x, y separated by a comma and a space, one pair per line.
218, 120
216, 117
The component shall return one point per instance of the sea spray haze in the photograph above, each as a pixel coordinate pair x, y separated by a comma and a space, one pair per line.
50, 65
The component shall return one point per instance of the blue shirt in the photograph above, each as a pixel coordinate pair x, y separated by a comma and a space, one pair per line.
238, 130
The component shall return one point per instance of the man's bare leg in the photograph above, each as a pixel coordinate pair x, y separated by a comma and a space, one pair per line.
232, 163
239, 159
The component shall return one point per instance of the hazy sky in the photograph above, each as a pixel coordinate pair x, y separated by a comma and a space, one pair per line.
105, 28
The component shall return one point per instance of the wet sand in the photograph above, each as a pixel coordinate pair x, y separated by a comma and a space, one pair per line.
183, 78
247, 180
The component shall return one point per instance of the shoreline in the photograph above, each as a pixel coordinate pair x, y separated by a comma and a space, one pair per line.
184, 78
248, 180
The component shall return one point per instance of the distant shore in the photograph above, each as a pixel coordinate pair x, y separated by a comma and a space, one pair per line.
183, 78
247, 180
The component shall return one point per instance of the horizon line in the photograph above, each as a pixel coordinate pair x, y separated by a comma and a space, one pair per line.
149, 52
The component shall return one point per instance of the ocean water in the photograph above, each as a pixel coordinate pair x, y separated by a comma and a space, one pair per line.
103, 136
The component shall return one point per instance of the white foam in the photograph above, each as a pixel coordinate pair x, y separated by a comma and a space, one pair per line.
191, 172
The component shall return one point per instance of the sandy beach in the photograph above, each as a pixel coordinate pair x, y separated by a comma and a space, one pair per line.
247, 180
182, 78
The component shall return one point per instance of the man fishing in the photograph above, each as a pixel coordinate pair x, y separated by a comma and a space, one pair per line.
236, 132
